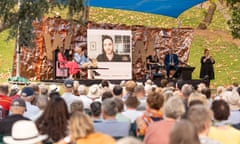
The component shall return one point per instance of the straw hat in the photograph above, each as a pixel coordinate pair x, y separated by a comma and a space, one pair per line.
232, 98
94, 91
24, 132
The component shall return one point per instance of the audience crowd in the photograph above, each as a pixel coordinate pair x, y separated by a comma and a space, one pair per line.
125, 113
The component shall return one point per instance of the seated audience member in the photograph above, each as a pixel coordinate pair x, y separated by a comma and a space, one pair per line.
107, 94
201, 117
95, 108
104, 84
17, 109
24, 132
171, 62
27, 94
207, 92
5, 101
67, 95
132, 103
54, 120
198, 96
110, 125
117, 90
81, 131
183, 132
186, 90
82, 90
13, 94
152, 113
140, 93
43, 90
120, 107
158, 132
201, 86
221, 131
92, 96
220, 90
233, 100
77, 106
75, 88
41, 103
129, 89
54, 88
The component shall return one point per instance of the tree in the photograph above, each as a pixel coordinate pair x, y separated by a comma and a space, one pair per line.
234, 23
19, 18
208, 16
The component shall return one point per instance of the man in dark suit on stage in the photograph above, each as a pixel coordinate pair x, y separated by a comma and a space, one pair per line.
171, 62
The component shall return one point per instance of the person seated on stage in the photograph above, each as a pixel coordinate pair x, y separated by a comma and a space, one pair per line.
152, 62
62, 60
80, 58
108, 54
73, 68
171, 63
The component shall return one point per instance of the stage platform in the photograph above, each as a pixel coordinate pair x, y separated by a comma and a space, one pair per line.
156, 81
85, 82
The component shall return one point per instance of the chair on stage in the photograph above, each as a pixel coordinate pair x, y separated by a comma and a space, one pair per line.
61, 72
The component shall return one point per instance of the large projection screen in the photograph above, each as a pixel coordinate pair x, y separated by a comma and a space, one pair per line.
113, 51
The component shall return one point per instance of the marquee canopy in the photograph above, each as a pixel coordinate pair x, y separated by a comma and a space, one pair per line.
171, 8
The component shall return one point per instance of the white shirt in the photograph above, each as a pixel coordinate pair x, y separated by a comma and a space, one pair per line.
69, 98
31, 111
87, 101
132, 114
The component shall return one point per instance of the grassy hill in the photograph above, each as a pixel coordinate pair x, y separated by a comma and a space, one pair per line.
223, 48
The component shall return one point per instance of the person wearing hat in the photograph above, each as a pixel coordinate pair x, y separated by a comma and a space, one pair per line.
68, 96
17, 109
27, 94
94, 94
13, 94
233, 100
24, 132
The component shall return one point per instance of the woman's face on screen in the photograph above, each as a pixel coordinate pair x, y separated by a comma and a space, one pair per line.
108, 46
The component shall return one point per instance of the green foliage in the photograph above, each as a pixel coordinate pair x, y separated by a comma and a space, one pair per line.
234, 23
19, 20
74, 8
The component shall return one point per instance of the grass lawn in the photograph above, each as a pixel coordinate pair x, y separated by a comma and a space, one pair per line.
225, 52
6, 56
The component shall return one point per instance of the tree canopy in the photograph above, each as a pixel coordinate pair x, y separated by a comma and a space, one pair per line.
19, 18
234, 23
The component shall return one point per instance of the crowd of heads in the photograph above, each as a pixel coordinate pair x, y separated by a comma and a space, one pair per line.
76, 113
